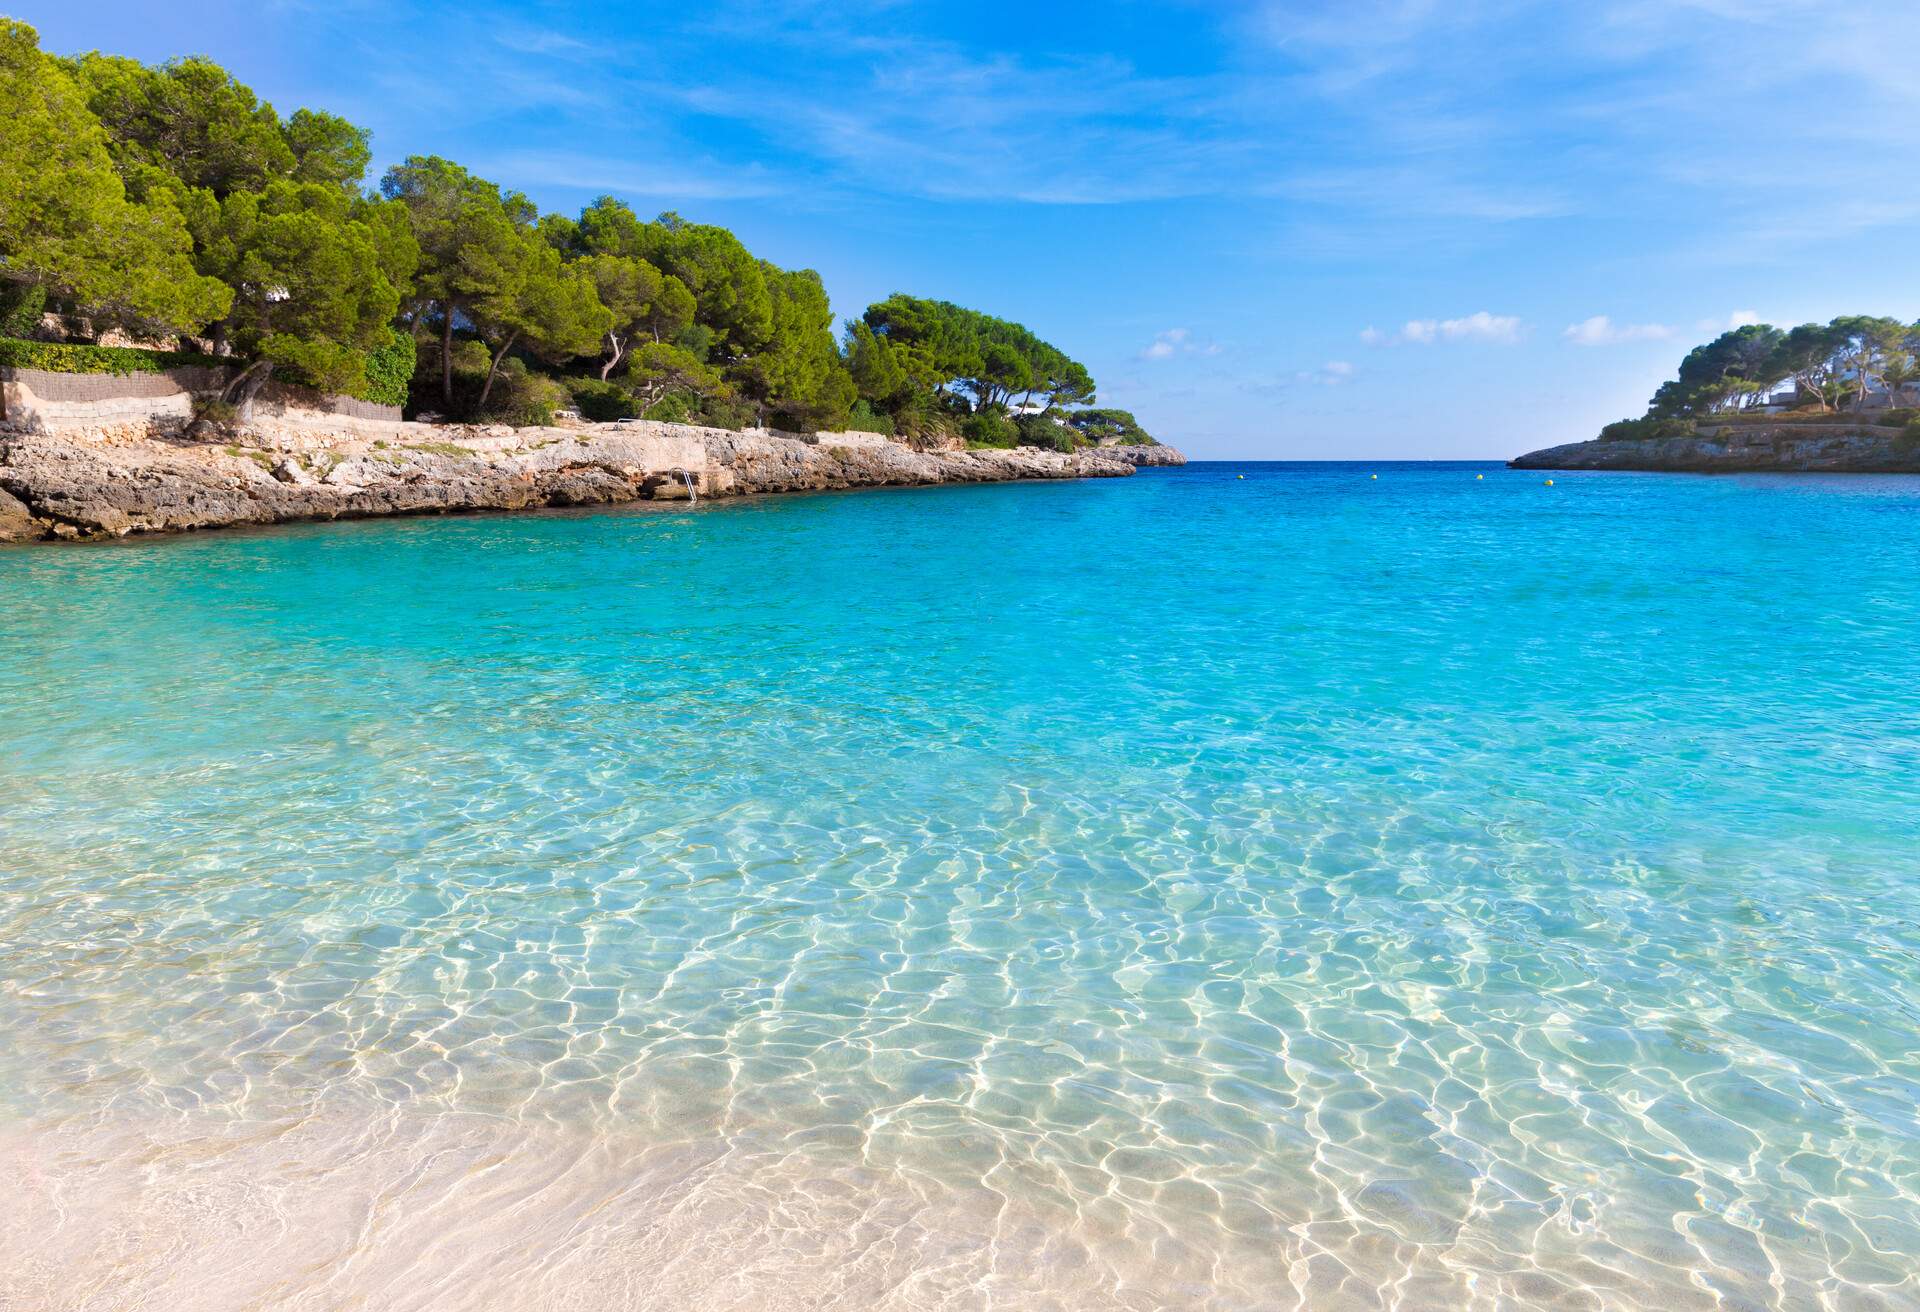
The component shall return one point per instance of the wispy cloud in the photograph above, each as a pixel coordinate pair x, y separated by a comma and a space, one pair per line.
1177, 341
1331, 374
1738, 319
1479, 326
1601, 330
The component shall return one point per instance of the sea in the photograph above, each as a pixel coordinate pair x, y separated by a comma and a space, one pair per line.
1241, 886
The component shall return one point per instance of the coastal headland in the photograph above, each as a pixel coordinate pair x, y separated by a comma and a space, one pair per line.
111, 479
1785, 447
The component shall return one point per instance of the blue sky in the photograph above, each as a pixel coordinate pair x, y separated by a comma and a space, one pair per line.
1350, 229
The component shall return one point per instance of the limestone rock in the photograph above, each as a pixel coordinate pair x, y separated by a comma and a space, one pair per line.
94, 485
1741, 448
16, 521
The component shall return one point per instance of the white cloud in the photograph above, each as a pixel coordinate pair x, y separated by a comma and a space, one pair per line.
1478, 326
1600, 330
1331, 374
1738, 319
1177, 341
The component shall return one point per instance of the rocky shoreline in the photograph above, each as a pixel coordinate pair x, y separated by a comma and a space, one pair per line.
119, 480
1744, 448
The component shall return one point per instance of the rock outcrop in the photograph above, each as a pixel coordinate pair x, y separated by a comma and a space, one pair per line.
109, 481
1143, 456
1739, 448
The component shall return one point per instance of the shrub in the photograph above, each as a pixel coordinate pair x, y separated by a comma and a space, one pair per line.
1043, 431
989, 430
210, 407
21, 305
1636, 430
523, 398
863, 419
1910, 433
64, 358
602, 401
390, 369
725, 412
670, 409
1900, 417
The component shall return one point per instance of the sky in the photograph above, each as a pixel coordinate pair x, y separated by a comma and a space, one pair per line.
1299, 229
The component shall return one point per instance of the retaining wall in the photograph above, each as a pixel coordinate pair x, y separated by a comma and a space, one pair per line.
40, 401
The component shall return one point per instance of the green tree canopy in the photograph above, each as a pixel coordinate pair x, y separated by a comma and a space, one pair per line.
327, 149
940, 346
537, 303
470, 244
189, 117
66, 223
309, 289
799, 377
1828, 365
729, 286
643, 302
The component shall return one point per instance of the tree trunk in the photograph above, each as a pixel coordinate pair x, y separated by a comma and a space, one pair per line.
493, 367
246, 385
446, 354
619, 351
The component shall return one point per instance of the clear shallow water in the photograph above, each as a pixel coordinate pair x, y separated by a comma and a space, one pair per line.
1183, 891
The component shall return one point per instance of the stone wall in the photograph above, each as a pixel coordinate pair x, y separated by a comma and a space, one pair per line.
39, 401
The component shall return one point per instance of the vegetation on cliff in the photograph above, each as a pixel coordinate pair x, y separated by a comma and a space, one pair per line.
1856, 367
170, 200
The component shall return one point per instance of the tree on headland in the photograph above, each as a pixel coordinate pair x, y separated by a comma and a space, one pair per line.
644, 303
67, 226
189, 118
170, 198
1827, 367
536, 302
327, 149
469, 245
309, 290
916, 358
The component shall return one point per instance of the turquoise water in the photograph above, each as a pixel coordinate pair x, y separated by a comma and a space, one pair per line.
1297, 890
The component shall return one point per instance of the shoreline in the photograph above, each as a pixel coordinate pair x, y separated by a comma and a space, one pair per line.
115, 481
1743, 448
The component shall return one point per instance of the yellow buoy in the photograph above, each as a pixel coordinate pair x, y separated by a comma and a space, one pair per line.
1375, 477
1478, 477
1239, 475
1549, 482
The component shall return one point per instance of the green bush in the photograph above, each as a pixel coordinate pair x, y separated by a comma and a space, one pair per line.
863, 419
523, 398
21, 305
1900, 417
1042, 431
1649, 429
62, 358
724, 412
390, 369
210, 407
602, 401
989, 430
670, 409
1910, 433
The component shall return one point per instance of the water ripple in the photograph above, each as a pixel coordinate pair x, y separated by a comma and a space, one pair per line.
1177, 892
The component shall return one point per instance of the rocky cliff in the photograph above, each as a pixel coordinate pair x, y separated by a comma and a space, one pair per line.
1143, 456
1735, 448
114, 480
